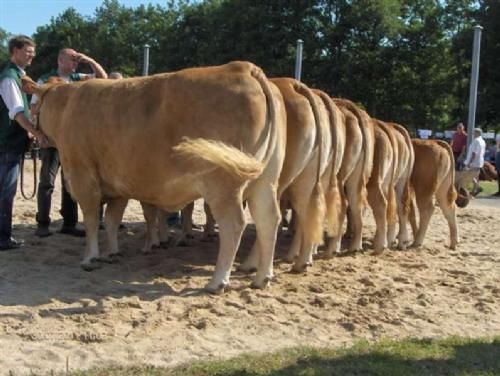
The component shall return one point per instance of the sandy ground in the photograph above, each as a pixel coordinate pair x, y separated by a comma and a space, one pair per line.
149, 309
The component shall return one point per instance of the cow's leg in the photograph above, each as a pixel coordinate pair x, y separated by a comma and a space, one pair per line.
378, 203
151, 217
209, 233
228, 212
89, 197
356, 196
425, 208
296, 244
161, 219
310, 211
403, 210
187, 226
113, 218
335, 242
449, 212
264, 207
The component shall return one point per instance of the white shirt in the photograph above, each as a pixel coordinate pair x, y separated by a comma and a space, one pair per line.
12, 96
478, 146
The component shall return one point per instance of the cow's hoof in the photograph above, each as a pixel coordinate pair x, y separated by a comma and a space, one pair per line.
216, 289
266, 282
184, 241
209, 238
246, 268
107, 259
377, 252
164, 244
90, 266
300, 268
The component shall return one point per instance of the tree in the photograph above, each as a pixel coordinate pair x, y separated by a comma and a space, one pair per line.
4, 51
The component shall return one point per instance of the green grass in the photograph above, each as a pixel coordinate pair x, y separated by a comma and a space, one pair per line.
452, 356
489, 188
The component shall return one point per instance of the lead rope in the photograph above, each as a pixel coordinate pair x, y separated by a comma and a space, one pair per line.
34, 150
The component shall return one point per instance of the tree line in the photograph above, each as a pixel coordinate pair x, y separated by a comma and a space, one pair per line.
407, 61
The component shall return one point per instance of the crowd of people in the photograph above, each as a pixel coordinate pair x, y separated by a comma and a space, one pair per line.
18, 129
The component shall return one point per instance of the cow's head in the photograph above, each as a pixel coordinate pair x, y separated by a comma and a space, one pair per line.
463, 198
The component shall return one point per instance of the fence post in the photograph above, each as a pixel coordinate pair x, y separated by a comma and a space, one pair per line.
471, 121
298, 59
145, 64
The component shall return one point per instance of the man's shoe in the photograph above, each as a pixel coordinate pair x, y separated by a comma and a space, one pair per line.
43, 231
11, 244
73, 231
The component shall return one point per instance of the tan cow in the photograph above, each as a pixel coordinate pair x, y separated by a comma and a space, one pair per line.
381, 195
357, 181
168, 139
351, 157
308, 139
404, 167
433, 175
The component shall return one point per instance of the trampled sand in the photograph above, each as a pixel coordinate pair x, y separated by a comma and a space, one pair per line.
149, 308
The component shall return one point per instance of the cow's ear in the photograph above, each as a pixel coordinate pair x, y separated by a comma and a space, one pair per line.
28, 85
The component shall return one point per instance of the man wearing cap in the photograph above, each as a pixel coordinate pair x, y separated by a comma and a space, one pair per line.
475, 158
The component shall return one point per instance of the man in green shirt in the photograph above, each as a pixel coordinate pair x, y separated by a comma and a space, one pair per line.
15, 124
67, 63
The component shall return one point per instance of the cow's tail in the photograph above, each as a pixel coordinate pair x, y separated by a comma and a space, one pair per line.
407, 196
238, 164
368, 145
271, 118
451, 195
332, 195
391, 193
317, 207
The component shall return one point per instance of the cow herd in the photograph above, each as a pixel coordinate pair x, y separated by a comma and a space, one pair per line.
230, 135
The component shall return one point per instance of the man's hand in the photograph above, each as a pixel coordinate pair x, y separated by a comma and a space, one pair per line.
41, 138
82, 58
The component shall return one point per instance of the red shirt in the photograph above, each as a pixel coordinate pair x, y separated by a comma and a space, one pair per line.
459, 141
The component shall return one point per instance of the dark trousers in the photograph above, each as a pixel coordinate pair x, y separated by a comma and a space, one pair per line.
497, 165
9, 171
458, 164
48, 173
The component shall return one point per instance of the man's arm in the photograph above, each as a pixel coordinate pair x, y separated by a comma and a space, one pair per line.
30, 127
96, 67
13, 99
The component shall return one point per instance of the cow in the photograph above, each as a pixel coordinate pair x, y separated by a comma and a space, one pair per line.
356, 183
353, 153
402, 185
433, 175
308, 150
168, 139
380, 186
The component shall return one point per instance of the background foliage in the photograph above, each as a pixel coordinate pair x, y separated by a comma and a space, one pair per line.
407, 61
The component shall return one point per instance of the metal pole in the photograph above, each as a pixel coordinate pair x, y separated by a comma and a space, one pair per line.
298, 59
471, 121
145, 66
